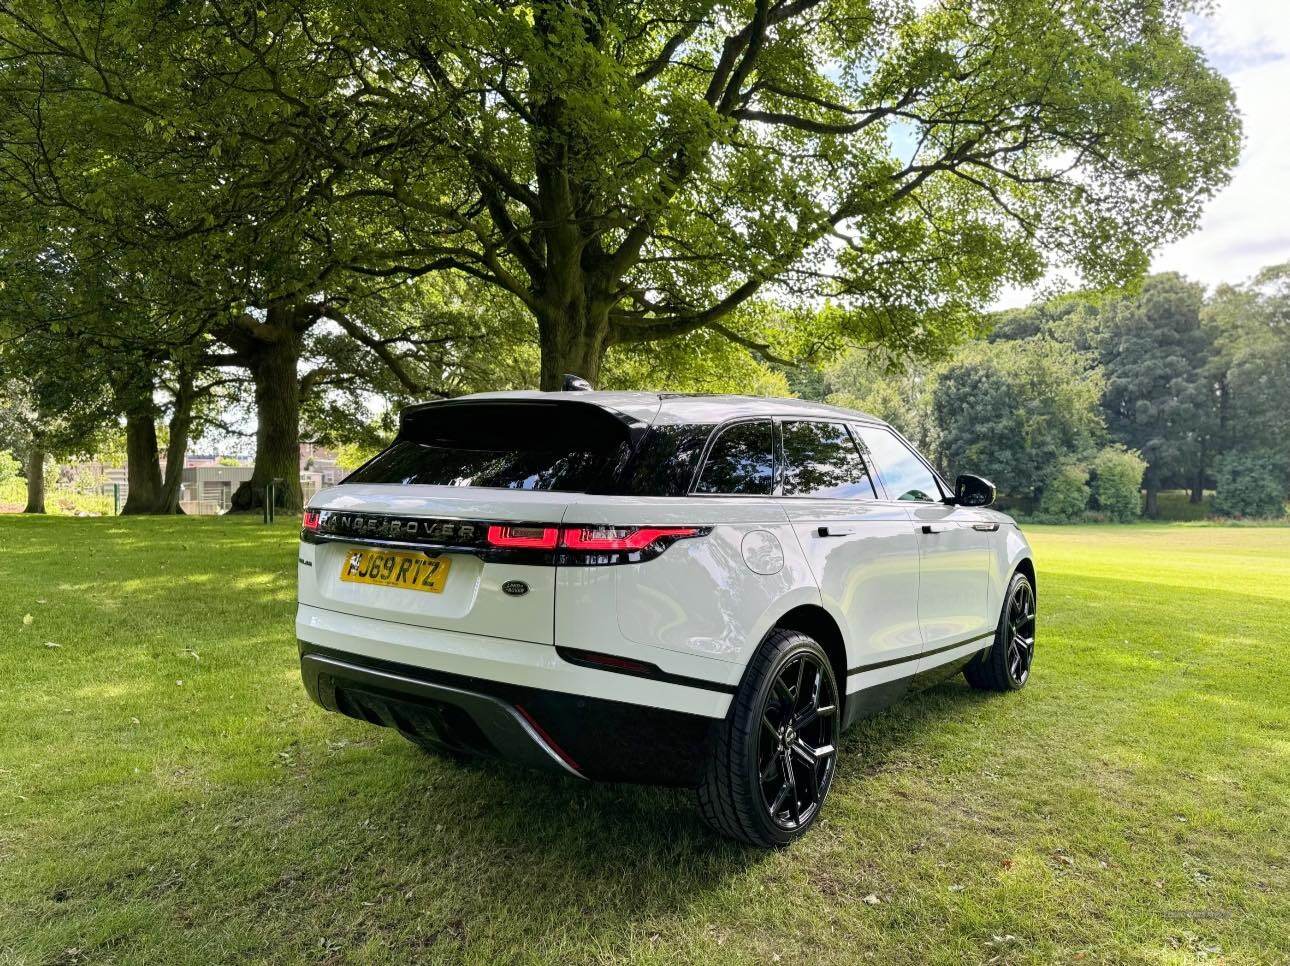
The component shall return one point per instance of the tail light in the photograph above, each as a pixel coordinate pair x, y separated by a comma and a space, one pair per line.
590, 545
600, 539
523, 538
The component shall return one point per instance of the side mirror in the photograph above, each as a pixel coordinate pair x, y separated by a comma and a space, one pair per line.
972, 490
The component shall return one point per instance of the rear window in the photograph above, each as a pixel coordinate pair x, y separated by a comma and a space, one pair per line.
665, 461
741, 461
568, 448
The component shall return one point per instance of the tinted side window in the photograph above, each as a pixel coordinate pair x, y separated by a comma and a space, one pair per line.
903, 473
740, 461
665, 461
821, 459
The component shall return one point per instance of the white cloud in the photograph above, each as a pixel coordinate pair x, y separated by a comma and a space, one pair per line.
1247, 225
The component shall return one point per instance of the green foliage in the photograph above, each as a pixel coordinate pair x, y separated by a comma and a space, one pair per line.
875, 384
10, 466
1066, 494
350, 456
699, 362
1159, 398
1250, 328
1251, 483
1117, 480
627, 172
59, 500
1015, 412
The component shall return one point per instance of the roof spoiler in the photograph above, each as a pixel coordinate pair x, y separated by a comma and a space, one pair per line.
540, 414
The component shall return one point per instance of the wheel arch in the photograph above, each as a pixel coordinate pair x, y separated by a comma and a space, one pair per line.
1026, 565
816, 622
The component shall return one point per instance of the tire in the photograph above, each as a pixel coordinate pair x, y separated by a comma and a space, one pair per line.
1005, 664
772, 761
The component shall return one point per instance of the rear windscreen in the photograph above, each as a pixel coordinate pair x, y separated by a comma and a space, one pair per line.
569, 448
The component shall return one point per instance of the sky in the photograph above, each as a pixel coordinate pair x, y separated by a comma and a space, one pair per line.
1247, 225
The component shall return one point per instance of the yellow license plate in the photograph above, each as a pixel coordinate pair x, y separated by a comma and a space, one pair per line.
393, 568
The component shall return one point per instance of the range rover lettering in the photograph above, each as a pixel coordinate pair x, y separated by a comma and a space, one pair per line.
696, 591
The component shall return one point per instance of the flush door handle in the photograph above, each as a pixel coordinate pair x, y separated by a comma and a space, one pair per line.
832, 532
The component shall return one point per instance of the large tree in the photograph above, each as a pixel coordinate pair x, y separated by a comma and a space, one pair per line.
635, 172
1250, 328
53, 397
1160, 398
1015, 412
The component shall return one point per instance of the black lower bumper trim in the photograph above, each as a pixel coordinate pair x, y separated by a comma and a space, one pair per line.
462, 720
590, 737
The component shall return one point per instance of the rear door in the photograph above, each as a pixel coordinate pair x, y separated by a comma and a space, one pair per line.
953, 555
862, 550
451, 527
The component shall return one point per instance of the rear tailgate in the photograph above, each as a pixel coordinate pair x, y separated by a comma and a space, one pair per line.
427, 503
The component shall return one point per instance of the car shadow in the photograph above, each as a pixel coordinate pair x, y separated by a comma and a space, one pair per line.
599, 848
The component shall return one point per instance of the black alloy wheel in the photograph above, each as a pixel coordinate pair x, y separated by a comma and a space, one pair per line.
772, 761
798, 743
1006, 664
1020, 632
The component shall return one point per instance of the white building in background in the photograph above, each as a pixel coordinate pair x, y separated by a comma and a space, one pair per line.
209, 489
206, 486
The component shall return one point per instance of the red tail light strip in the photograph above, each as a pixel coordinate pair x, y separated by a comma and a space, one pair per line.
523, 538
535, 543
599, 538
590, 538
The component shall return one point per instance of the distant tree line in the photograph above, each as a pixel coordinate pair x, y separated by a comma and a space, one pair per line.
1066, 396
287, 209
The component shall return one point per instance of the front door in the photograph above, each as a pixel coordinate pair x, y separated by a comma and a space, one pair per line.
953, 577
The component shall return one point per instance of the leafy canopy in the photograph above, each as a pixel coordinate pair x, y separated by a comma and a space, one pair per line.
636, 171
1015, 412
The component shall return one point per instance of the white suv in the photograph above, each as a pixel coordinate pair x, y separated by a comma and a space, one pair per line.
698, 591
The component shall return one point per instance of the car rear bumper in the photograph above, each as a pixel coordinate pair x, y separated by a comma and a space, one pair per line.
522, 663
582, 736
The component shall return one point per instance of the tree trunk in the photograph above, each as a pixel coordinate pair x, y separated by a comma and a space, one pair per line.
274, 368
35, 479
573, 341
1152, 483
143, 470
1198, 484
181, 424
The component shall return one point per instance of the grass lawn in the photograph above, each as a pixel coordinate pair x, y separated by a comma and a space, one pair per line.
168, 793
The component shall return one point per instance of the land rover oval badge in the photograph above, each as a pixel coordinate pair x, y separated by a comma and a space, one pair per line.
515, 588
